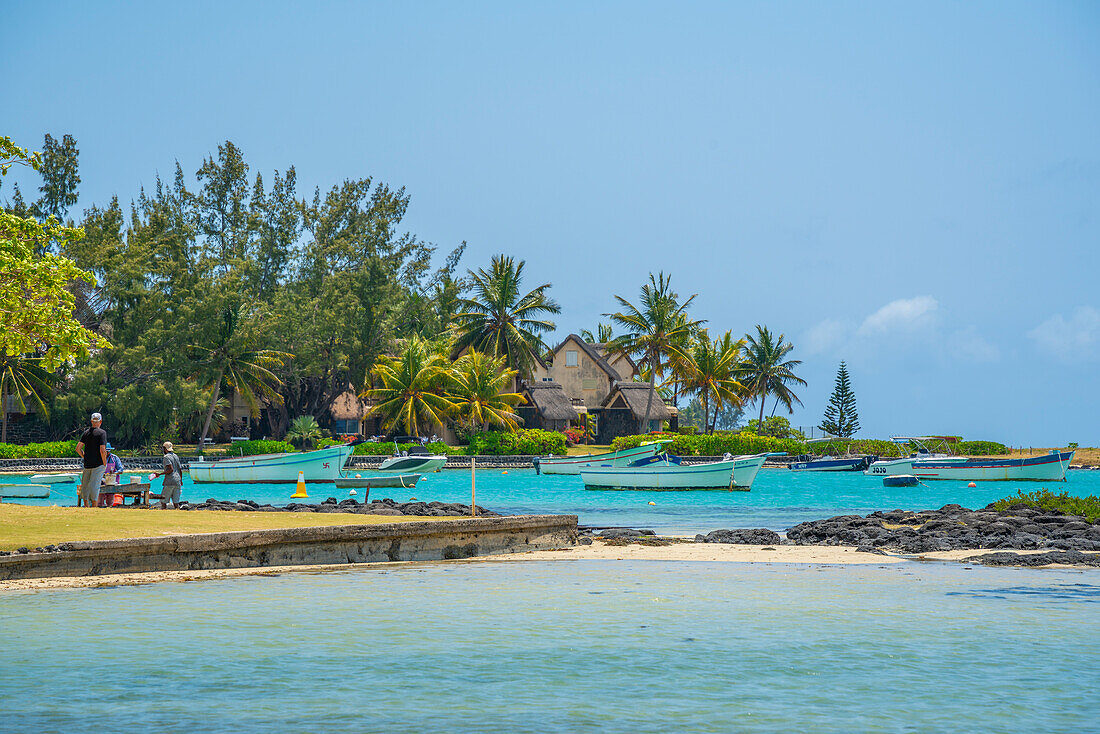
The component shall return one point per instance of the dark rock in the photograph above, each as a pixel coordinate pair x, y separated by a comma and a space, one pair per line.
330, 501
870, 549
1068, 557
742, 536
621, 533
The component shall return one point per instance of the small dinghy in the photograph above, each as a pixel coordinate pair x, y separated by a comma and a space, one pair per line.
53, 478
25, 491
900, 480
406, 481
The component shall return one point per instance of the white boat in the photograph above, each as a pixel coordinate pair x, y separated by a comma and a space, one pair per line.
406, 481
573, 464
660, 473
53, 478
926, 465
664, 472
414, 459
322, 465
25, 491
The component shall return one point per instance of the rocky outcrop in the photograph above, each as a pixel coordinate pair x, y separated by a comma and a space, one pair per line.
747, 536
1067, 558
953, 527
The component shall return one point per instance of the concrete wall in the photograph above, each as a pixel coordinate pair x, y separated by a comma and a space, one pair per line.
406, 541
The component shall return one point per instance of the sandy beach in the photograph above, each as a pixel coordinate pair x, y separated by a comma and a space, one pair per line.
598, 551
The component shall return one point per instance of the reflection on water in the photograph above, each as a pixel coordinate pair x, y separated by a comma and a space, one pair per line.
503, 646
1062, 592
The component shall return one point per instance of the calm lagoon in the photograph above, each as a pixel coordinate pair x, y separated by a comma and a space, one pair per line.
562, 646
779, 498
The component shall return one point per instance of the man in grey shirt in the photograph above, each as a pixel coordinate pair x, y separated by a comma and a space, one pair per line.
173, 478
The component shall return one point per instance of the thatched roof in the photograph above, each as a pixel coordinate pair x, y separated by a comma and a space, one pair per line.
347, 407
550, 400
635, 395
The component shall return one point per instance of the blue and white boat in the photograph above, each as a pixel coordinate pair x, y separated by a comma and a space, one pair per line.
806, 462
322, 465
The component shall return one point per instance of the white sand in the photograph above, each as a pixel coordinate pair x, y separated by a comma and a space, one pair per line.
598, 551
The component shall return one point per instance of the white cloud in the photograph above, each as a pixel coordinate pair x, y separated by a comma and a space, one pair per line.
1073, 339
969, 345
825, 335
902, 314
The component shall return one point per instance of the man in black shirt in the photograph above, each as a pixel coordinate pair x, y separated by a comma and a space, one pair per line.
92, 448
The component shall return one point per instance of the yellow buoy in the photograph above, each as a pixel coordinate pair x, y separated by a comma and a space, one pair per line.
301, 490
653, 503
504, 472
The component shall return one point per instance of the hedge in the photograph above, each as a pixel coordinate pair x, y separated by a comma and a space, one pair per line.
255, 448
385, 448
722, 442
47, 450
531, 441
980, 448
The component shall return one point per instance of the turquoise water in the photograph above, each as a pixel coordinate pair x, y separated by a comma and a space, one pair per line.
562, 646
779, 498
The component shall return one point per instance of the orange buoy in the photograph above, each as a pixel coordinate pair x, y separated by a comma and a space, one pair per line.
972, 485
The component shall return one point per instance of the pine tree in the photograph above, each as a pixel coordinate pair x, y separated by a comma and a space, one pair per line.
841, 417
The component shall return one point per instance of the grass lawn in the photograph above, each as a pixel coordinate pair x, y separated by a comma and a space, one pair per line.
34, 527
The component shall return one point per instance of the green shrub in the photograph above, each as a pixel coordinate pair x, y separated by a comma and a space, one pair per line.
46, 450
530, 441
721, 442
385, 448
980, 448
1044, 499
255, 448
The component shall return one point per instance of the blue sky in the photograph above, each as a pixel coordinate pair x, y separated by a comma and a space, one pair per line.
911, 187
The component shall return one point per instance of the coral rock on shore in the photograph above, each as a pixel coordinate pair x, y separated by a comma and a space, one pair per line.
953, 527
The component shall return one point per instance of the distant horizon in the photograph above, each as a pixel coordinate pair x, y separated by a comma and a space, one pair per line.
909, 189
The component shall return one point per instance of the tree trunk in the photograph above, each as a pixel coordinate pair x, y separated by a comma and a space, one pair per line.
210, 411
706, 411
4, 410
644, 427
763, 399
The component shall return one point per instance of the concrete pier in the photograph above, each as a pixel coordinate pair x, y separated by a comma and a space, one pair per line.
406, 541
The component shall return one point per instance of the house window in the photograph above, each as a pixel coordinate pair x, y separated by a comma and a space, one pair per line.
570, 358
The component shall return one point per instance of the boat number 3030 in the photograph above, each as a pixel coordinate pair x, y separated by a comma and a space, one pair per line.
878, 470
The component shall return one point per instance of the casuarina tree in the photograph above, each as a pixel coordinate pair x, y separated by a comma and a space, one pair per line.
841, 417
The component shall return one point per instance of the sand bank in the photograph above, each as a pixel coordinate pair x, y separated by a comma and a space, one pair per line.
683, 552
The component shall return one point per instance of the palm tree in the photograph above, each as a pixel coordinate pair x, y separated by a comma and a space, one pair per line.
766, 371
412, 388
653, 328
22, 377
604, 334
476, 388
235, 360
710, 368
497, 320
304, 430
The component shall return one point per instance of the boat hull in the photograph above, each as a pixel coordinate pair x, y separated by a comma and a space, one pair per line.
716, 475
413, 464
53, 478
846, 464
1047, 468
574, 464
25, 491
323, 465
406, 481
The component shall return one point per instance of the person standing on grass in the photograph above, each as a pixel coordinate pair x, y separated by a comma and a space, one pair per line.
173, 478
92, 448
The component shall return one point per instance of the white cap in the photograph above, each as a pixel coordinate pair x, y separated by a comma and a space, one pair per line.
167, 445
97, 417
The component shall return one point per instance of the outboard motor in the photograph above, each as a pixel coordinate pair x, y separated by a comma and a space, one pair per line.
535, 461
